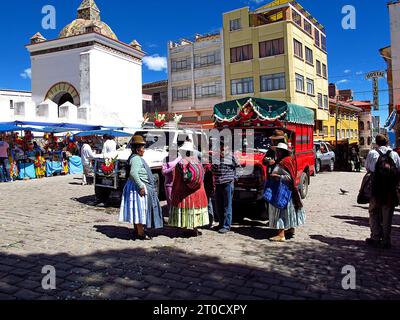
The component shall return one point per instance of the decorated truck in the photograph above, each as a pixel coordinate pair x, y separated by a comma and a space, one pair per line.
255, 120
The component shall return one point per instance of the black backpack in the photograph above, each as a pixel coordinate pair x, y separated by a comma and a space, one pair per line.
385, 167
385, 177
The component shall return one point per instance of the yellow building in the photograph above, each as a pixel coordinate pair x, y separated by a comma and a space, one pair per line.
277, 51
347, 124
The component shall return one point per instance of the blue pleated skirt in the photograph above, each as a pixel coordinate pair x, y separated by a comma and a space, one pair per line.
286, 218
134, 208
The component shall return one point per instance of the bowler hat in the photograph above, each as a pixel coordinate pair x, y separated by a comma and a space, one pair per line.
138, 141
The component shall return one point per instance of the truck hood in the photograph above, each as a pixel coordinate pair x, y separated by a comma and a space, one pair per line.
154, 158
253, 158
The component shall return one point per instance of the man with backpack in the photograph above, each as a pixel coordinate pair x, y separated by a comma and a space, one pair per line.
384, 164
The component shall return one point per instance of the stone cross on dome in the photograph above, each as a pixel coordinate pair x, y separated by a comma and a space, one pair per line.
88, 10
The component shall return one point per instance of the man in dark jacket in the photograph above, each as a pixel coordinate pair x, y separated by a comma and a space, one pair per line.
224, 174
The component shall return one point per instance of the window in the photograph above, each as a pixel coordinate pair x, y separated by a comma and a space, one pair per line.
310, 87
235, 24
273, 82
325, 130
343, 134
351, 133
332, 131
369, 141
207, 59
299, 82
11, 104
296, 18
320, 102
368, 125
324, 71
318, 68
242, 53
211, 89
298, 49
272, 48
326, 102
362, 141
323, 42
362, 126
317, 40
19, 109
242, 86
309, 56
308, 27
179, 94
348, 133
181, 65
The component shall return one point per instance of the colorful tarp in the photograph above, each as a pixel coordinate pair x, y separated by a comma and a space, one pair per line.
75, 165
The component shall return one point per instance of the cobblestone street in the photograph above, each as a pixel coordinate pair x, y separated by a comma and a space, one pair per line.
52, 222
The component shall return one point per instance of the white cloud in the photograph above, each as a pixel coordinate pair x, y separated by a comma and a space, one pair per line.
359, 73
156, 63
347, 71
27, 74
343, 81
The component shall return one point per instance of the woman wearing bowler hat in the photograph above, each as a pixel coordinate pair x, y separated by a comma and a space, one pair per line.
293, 215
140, 204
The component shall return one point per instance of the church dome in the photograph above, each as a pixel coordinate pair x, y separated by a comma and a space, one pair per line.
80, 26
88, 20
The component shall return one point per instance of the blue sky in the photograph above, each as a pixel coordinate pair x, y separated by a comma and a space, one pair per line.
351, 53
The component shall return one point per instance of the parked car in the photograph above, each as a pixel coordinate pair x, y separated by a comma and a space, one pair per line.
158, 141
324, 156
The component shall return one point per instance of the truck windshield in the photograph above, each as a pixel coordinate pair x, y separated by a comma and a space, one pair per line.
154, 139
262, 141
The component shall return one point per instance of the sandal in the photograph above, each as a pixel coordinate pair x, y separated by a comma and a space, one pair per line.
278, 239
144, 237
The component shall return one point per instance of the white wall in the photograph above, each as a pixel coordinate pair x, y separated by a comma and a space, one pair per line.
115, 89
49, 69
7, 114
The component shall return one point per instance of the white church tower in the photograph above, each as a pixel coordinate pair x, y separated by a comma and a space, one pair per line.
87, 66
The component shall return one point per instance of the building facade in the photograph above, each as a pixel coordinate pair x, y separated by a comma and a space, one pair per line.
365, 126
16, 105
87, 68
342, 124
277, 51
196, 77
155, 97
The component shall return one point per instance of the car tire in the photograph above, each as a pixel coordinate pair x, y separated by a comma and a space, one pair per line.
304, 183
102, 194
332, 165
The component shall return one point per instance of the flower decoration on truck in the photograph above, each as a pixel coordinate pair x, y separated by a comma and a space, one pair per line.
159, 120
246, 112
108, 166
